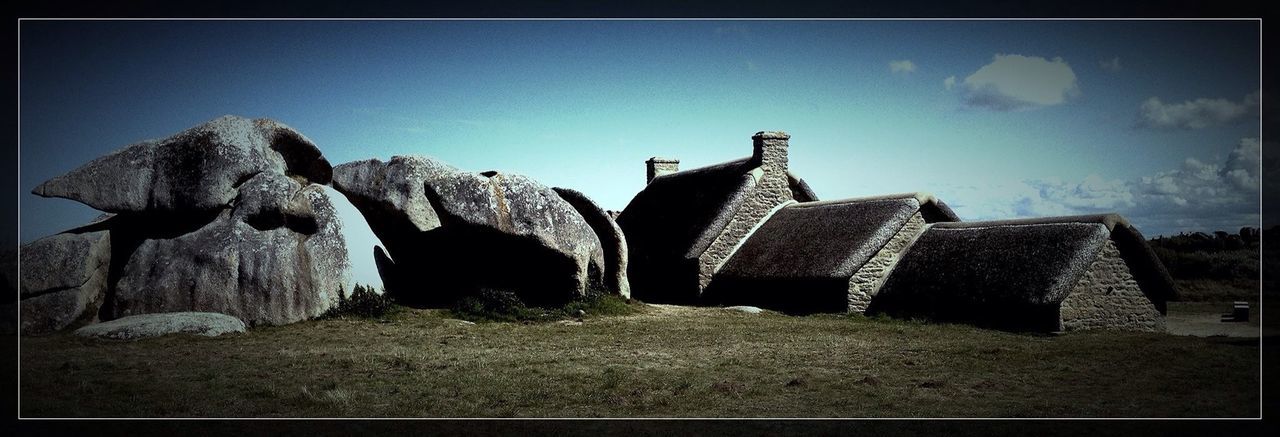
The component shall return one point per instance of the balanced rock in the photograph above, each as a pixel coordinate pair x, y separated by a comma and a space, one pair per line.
392, 195
276, 257
195, 170
450, 233
155, 325
226, 217
64, 279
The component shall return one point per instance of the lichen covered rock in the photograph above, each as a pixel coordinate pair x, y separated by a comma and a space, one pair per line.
64, 279
276, 257
226, 217
450, 233
155, 325
195, 170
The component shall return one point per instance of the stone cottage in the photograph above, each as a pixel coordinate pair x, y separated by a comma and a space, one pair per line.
1044, 274
684, 225
749, 232
831, 256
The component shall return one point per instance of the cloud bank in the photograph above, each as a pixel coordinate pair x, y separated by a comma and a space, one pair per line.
1197, 196
1196, 114
1016, 82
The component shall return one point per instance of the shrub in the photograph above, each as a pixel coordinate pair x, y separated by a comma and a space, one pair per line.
506, 306
363, 302
602, 305
493, 305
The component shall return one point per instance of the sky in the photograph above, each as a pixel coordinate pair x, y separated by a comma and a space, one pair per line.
1156, 120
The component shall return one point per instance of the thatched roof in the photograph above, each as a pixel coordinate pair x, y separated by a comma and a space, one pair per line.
830, 239
1009, 274
931, 208
673, 220
1143, 263
680, 214
818, 244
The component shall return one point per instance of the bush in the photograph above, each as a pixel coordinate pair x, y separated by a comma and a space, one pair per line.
602, 305
363, 302
493, 305
506, 306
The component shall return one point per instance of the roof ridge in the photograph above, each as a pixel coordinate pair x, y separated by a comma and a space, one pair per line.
921, 197
1110, 220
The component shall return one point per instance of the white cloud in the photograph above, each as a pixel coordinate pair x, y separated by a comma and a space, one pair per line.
1196, 114
1197, 196
949, 82
1243, 164
1012, 82
903, 66
1112, 65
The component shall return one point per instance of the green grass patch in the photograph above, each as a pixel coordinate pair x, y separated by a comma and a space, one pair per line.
665, 361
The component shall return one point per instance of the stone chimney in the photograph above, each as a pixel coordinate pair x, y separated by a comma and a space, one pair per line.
656, 166
770, 149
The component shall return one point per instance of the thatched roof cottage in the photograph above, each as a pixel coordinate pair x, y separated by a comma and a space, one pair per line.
685, 224
829, 256
1045, 274
748, 232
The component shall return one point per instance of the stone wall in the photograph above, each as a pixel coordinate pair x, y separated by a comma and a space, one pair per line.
1107, 297
867, 281
772, 189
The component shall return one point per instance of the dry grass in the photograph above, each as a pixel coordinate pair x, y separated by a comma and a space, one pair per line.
1214, 290
666, 362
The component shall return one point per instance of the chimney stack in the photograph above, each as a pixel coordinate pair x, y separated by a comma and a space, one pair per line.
656, 166
770, 149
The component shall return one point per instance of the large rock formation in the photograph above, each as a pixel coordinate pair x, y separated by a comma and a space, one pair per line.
449, 233
64, 279
195, 170
225, 217
277, 256
612, 241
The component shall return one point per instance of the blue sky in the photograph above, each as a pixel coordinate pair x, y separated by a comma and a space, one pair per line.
1157, 120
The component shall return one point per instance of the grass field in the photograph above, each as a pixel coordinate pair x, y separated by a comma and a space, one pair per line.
664, 361
1208, 290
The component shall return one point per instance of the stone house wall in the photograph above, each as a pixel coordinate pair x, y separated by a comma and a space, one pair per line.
772, 189
1107, 297
867, 281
